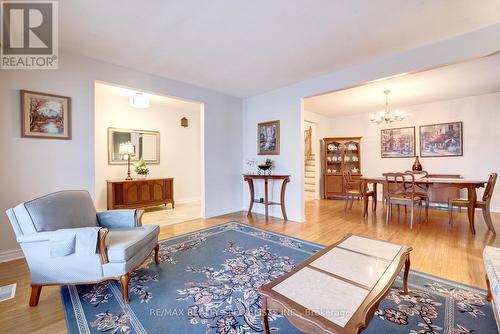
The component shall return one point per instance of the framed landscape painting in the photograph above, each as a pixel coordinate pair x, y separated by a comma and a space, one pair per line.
441, 140
45, 115
398, 143
268, 138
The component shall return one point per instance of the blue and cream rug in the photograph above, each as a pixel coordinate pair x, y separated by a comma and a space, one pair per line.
207, 283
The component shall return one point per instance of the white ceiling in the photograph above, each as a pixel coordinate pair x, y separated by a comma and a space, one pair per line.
243, 47
155, 99
474, 77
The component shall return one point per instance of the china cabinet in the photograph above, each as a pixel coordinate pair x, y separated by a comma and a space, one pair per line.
340, 154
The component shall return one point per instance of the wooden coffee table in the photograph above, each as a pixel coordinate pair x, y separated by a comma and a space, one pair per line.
338, 289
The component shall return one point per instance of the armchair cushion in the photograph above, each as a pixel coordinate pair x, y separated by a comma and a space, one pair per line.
117, 218
60, 210
122, 244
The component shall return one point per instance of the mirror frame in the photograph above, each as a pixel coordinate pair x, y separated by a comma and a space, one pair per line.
110, 145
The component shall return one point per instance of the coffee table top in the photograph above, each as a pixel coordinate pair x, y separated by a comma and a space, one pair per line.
339, 288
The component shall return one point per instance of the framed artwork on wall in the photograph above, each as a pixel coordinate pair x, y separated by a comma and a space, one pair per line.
45, 115
441, 140
398, 143
268, 138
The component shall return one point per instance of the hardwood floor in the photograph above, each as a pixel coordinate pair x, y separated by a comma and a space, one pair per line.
452, 253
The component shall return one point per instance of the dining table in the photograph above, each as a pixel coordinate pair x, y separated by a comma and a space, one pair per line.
426, 182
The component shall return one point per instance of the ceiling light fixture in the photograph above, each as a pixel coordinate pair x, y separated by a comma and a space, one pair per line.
387, 115
139, 100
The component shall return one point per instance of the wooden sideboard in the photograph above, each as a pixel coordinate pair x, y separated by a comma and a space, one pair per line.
140, 193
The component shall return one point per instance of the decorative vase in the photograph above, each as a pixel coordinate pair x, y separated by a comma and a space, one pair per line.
417, 166
141, 176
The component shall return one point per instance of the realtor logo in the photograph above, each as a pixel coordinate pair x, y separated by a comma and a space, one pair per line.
29, 35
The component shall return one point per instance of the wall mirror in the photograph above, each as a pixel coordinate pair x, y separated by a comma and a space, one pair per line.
146, 145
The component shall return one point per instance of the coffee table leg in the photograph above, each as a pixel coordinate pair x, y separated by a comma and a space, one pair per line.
405, 276
265, 315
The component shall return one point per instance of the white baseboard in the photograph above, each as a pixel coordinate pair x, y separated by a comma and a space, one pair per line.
11, 255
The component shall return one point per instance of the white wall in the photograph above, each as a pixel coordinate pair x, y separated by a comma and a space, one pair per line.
285, 103
180, 147
481, 139
33, 167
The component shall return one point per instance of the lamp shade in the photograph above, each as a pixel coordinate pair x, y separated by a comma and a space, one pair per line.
126, 148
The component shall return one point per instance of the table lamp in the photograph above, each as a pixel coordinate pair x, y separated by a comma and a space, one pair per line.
127, 149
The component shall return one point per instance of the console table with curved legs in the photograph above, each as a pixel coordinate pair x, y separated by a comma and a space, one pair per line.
250, 178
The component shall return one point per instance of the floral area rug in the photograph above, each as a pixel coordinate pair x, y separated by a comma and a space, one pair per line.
207, 282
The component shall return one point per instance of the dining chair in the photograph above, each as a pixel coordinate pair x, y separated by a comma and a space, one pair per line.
422, 190
353, 189
483, 204
402, 192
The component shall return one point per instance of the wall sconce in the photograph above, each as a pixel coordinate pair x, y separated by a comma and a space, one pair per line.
139, 100
184, 122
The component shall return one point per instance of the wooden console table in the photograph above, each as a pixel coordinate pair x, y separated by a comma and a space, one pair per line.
250, 177
140, 193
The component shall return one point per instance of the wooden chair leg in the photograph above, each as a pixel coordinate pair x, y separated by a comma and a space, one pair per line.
388, 209
420, 212
36, 289
157, 250
399, 213
124, 279
346, 203
487, 219
352, 202
450, 214
427, 204
411, 214
488, 293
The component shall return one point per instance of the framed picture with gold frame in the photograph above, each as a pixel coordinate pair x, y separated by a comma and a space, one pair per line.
45, 115
268, 138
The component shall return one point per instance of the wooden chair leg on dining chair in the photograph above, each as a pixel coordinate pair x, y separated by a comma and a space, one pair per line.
487, 218
450, 214
420, 212
411, 215
427, 204
347, 198
388, 211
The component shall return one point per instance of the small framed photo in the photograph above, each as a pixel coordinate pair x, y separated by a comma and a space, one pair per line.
45, 115
441, 140
398, 143
268, 138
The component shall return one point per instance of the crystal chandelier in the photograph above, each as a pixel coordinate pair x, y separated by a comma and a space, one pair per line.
387, 115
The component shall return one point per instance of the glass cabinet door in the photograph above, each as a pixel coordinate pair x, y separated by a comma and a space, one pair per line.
334, 153
351, 160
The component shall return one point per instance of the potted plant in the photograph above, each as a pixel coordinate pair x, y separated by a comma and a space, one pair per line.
141, 169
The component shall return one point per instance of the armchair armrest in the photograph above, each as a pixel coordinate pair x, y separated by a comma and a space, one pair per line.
120, 218
64, 242
101, 245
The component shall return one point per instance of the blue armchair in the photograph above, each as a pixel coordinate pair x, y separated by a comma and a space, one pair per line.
65, 241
